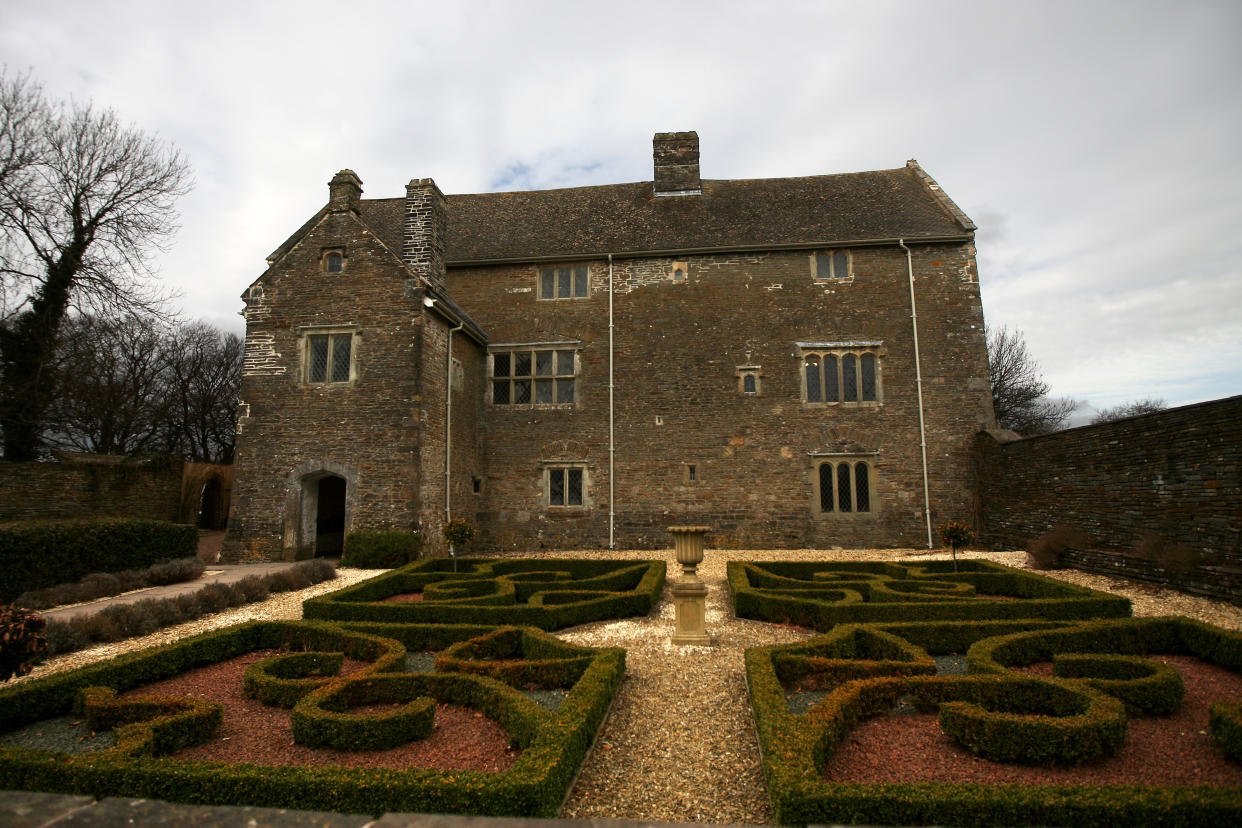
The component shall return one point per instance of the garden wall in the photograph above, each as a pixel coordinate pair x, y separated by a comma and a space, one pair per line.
91, 486
1140, 489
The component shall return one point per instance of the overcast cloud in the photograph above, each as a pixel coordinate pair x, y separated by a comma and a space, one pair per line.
1094, 143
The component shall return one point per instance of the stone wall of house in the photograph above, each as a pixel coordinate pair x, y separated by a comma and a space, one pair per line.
467, 439
691, 447
1134, 487
292, 432
76, 490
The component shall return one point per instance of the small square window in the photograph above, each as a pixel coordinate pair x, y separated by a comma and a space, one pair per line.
832, 264
564, 486
333, 261
329, 358
748, 379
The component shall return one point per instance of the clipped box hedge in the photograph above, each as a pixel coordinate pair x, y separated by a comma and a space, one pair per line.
821, 595
993, 712
553, 743
43, 554
548, 594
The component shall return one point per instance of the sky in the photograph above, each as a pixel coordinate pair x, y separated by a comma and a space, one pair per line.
1095, 144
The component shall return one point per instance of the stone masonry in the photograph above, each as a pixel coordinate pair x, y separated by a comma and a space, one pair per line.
720, 293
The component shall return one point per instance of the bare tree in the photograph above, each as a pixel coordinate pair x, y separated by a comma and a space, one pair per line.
111, 391
1147, 405
132, 384
1019, 393
81, 213
204, 381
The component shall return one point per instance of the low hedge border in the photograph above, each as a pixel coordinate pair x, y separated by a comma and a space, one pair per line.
555, 743
795, 749
499, 592
1225, 724
789, 592
323, 718
281, 681
519, 657
1094, 648
151, 726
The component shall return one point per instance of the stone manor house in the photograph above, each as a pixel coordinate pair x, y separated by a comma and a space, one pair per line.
795, 362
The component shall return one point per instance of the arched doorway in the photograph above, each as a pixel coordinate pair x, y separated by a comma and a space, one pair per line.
318, 509
212, 507
330, 516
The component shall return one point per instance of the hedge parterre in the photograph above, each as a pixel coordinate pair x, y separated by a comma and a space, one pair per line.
546, 594
1101, 671
480, 665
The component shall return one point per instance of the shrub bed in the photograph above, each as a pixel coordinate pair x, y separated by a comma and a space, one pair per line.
104, 584
822, 595
122, 621
381, 548
997, 713
41, 554
549, 595
304, 675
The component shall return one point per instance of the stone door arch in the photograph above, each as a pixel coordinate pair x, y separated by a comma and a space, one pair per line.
318, 509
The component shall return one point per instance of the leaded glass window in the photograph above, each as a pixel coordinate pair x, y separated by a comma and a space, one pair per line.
564, 486
845, 376
538, 376
329, 357
833, 264
844, 487
564, 282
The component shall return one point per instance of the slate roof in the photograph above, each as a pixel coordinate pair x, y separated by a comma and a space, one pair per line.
627, 219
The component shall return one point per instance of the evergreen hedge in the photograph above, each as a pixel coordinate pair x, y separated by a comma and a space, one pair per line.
548, 594
42, 554
993, 712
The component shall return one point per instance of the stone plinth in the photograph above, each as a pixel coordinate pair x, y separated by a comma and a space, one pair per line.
689, 591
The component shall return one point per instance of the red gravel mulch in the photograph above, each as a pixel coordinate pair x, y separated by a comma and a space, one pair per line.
404, 598
464, 739
1165, 750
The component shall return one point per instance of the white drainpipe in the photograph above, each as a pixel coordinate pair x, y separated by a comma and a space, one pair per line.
918, 382
612, 447
448, 426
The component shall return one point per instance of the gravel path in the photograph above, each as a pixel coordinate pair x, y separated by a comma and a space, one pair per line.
679, 744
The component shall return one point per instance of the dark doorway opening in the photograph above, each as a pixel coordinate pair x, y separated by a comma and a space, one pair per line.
330, 517
212, 509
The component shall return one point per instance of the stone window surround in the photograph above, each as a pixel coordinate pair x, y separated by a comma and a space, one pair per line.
547, 469
754, 371
569, 272
839, 349
574, 345
325, 260
827, 260
304, 345
833, 459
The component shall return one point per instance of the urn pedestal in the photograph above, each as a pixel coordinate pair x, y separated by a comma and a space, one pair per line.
689, 591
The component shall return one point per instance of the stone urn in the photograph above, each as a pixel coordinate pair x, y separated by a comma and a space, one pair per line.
689, 591
688, 542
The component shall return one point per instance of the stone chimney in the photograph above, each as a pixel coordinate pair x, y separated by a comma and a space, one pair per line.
344, 192
677, 163
422, 243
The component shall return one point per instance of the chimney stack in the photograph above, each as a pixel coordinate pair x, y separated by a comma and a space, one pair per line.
344, 192
677, 163
422, 243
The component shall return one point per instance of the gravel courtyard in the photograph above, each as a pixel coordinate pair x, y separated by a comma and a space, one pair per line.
679, 744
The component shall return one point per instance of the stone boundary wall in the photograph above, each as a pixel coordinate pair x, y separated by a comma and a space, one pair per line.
1218, 583
79, 490
1133, 486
